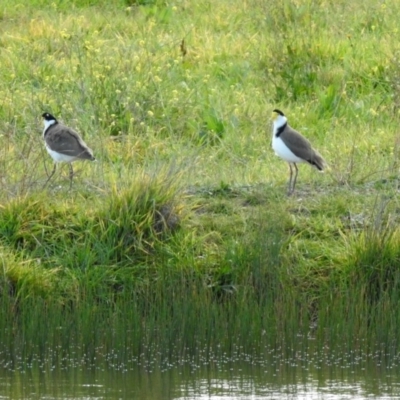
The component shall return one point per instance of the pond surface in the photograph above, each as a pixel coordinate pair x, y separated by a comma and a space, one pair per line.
277, 374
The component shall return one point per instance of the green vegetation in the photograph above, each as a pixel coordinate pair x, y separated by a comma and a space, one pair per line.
181, 233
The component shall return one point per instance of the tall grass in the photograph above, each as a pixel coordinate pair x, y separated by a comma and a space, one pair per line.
181, 235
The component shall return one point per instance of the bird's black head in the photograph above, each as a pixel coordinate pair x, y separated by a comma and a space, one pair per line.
278, 112
48, 117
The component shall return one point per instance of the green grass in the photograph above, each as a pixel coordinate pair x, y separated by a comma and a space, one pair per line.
183, 222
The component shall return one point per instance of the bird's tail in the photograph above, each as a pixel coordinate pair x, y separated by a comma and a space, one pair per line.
318, 161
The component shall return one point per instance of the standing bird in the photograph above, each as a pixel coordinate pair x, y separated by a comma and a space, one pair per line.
64, 145
293, 147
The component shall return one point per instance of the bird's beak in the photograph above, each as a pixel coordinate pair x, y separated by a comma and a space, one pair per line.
274, 116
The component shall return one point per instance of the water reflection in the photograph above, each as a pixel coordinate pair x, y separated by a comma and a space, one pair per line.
325, 383
275, 374
333, 390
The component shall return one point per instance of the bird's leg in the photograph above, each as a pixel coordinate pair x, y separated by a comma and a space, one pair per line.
295, 177
52, 173
71, 175
290, 179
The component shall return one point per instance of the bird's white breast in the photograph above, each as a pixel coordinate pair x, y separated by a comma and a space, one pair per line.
283, 151
58, 157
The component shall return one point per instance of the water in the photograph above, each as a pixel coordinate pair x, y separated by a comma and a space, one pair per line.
276, 374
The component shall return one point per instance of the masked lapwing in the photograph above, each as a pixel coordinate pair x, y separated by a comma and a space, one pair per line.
293, 147
64, 145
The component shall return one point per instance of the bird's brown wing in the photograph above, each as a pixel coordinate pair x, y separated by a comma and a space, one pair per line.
301, 147
66, 141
